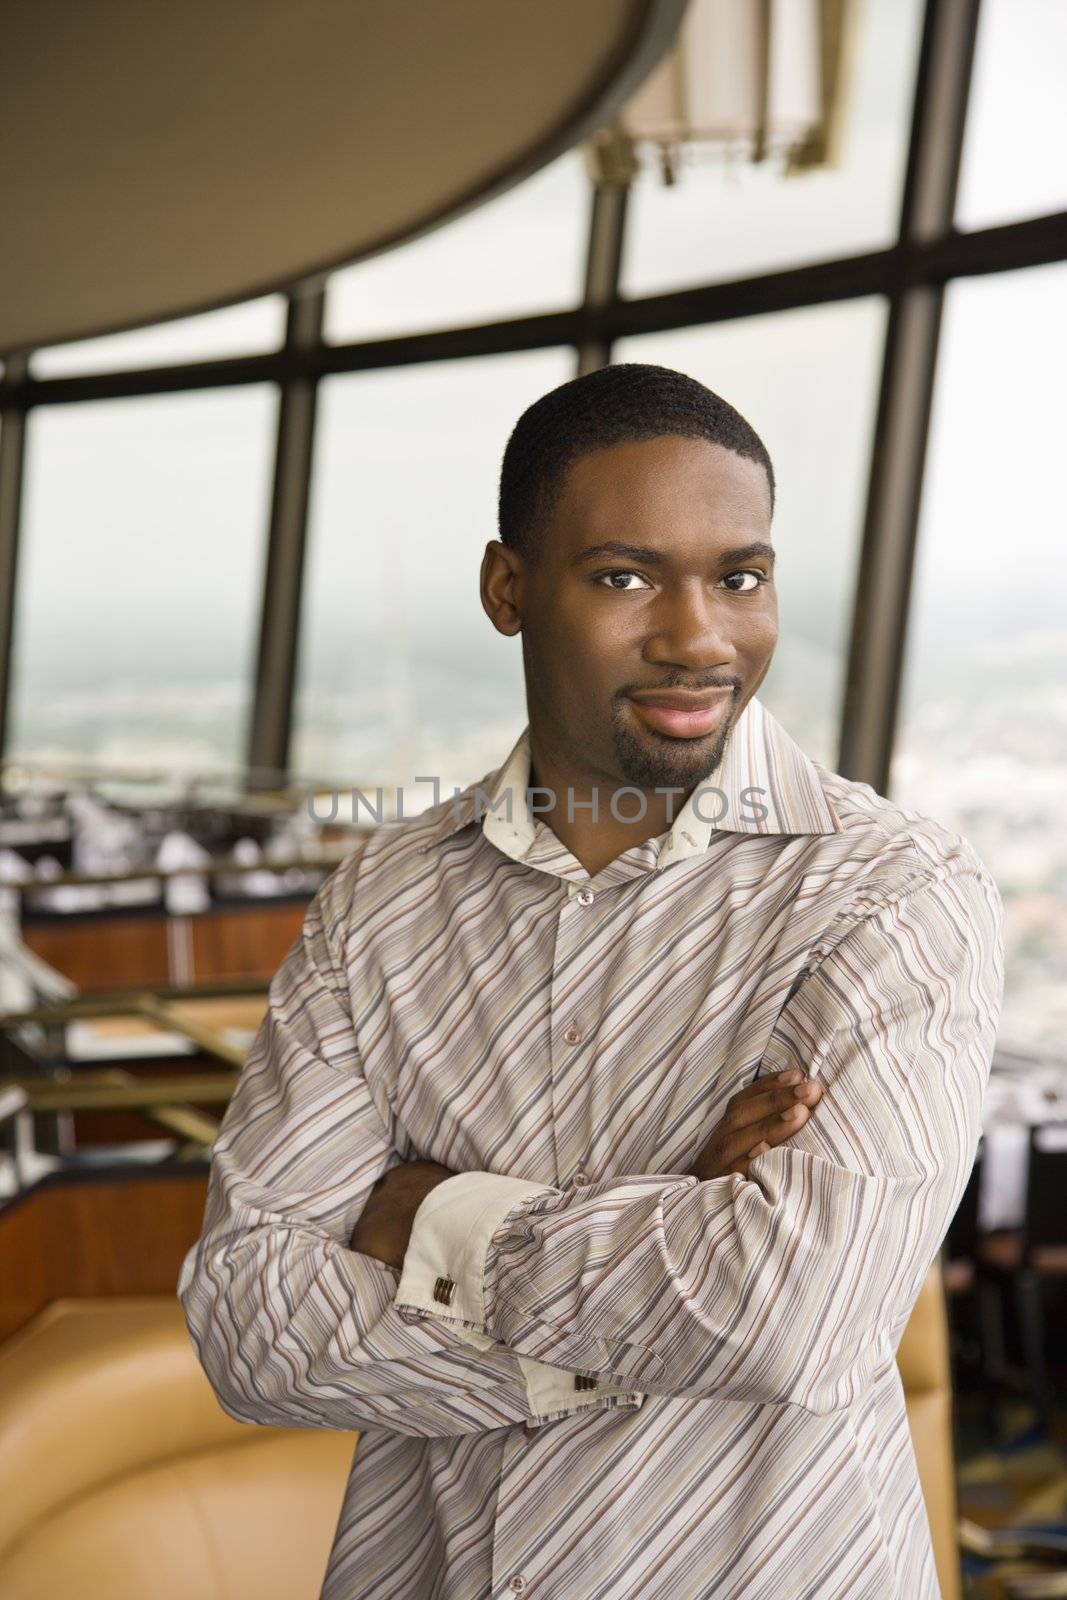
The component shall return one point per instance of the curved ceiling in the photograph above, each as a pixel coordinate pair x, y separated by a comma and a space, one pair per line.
164, 158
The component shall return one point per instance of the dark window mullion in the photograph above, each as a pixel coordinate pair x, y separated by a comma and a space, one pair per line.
876, 653
12, 460
617, 168
276, 663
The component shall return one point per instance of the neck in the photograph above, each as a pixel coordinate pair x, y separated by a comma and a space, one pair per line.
588, 813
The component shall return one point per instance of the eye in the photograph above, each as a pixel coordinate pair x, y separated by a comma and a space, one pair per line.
747, 572
620, 573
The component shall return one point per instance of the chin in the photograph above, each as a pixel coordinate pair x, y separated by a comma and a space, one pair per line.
651, 760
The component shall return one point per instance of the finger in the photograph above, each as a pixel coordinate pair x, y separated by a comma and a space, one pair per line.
757, 1107
781, 1124
736, 1144
781, 1083
761, 1085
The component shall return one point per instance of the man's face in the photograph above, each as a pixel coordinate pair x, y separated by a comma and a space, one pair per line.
655, 574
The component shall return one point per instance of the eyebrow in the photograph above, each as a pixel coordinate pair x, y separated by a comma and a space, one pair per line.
656, 558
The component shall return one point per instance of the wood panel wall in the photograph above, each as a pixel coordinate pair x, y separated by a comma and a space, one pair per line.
118, 952
115, 1237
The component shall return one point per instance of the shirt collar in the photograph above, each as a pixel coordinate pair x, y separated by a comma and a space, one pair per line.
764, 784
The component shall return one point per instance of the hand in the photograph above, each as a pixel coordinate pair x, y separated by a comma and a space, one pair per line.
764, 1113
384, 1226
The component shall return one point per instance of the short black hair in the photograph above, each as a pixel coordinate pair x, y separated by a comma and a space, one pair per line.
613, 405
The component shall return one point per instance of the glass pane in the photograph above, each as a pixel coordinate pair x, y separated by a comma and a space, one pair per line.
983, 736
140, 572
1015, 151
250, 329
521, 253
726, 219
808, 383
401, 671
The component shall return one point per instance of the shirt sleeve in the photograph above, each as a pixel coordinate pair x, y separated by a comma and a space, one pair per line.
791, 1285
292, 1327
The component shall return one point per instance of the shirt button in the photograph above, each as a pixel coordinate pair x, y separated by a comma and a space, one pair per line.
581, 1177
585, 897
517, 1583
573, 1035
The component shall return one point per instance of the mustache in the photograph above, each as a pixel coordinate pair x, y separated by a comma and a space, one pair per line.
679, 681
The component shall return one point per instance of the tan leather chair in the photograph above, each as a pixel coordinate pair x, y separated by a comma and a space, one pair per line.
121, 1479
926, 1373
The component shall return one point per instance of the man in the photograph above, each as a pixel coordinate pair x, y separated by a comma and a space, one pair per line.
607, 1117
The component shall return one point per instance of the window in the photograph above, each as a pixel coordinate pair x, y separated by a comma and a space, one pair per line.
807, 381
144, 528
723, 220
1015, 150
245, 330
401, 672
518, 254
143, 523
983, 737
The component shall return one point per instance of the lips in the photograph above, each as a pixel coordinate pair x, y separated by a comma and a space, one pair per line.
680, 713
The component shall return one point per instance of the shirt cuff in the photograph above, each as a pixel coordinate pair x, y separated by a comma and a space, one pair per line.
444, 1264
444, 1274
553, 1392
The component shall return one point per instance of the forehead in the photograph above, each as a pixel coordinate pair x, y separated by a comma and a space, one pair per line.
690, 486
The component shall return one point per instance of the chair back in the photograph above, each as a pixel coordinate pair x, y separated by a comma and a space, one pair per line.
121, 1476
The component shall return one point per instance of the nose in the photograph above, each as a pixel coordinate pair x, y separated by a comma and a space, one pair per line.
687, 630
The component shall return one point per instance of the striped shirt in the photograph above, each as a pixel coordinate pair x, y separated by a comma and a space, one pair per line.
596, 1377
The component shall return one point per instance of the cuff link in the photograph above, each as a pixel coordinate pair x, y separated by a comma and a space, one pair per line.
581, 1381
442, 1290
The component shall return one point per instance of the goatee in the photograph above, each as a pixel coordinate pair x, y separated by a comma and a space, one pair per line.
675, 763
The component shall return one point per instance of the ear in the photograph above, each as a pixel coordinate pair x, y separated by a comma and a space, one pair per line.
501, 587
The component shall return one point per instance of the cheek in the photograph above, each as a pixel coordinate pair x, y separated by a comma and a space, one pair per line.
611, 646
767, 633
592, 634
561, 647
759, 632
587, 652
